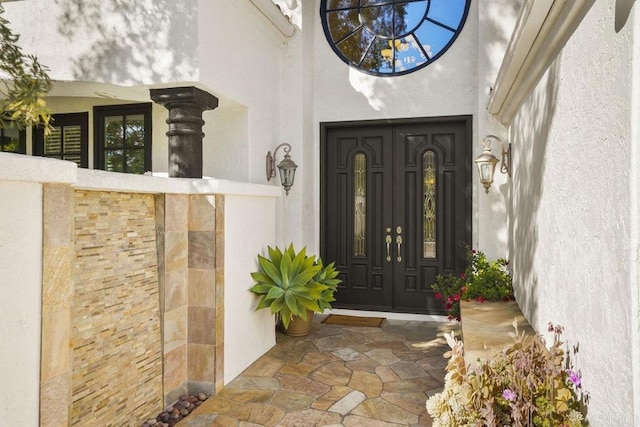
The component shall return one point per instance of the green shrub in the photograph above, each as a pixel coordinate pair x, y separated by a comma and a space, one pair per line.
482, 280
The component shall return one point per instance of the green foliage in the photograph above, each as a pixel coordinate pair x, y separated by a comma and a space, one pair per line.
483, 280
326, 276
525, 384
26, 83
291, 283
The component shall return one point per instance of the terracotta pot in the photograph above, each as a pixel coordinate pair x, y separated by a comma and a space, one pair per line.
299, 327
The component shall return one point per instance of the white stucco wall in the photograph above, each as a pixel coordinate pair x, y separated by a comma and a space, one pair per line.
124, 43
20, 306
272, 88
249, 228
241, 61
323, 88
571, 210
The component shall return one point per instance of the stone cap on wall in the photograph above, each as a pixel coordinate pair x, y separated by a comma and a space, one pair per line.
18, 167
486, 327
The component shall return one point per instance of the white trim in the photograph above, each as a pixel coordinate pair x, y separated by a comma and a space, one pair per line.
273, 13
19, 167
542, 29
634, 241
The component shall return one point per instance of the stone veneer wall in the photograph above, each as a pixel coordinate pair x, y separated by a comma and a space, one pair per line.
115, 316
132, 303
192, 298
57, 300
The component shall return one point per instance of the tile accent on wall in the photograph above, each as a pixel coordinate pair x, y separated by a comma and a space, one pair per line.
173, 227
219, 294
57, 297
202, 293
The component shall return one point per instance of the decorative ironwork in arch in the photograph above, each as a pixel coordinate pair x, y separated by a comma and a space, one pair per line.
392, 37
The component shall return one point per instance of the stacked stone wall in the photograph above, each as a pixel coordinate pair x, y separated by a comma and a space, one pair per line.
116, 345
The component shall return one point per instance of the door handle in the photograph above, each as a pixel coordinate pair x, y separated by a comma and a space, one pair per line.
399, 243
388, 240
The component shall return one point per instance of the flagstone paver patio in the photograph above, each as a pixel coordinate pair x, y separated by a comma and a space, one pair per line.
337, 376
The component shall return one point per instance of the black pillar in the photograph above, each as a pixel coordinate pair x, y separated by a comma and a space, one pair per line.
185, 105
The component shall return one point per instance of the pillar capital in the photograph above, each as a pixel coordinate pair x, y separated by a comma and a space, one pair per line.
185, 105
188, 95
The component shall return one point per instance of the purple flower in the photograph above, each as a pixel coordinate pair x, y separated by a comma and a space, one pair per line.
509, 395
574, 377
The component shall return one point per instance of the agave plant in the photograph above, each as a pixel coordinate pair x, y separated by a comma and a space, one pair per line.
327, 276
291, 283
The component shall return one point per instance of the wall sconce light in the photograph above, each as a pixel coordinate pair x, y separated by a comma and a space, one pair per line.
487, 162
287, 167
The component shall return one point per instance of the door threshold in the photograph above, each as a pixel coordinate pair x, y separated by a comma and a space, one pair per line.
389, 315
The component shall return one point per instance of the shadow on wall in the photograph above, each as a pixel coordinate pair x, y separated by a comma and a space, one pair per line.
497, 33
530, 134
623, 10
133, 42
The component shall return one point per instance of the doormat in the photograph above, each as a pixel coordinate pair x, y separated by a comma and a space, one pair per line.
341, 319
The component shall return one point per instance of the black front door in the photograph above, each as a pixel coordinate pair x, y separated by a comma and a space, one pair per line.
395, 209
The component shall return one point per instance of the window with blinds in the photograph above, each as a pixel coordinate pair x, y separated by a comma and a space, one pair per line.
68, 139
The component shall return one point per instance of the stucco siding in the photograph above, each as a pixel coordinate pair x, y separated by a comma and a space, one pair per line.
570, 218
126, 43
20, 309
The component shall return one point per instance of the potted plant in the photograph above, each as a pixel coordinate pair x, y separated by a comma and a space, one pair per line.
294, 286
483, 280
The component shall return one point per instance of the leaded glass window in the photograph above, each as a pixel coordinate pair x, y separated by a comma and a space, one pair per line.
429, 205
392, 37
360, 204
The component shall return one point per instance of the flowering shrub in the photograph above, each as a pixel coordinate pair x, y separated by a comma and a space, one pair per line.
525, 384
483, 280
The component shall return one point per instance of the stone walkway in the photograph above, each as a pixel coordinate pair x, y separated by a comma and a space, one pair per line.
337, 376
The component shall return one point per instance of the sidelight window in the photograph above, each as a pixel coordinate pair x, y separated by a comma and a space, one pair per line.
429, 205
360, 204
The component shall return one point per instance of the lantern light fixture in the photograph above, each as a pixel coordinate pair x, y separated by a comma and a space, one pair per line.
487, 161
287, 167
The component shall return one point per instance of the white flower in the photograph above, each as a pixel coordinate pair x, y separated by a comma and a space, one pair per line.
575, 418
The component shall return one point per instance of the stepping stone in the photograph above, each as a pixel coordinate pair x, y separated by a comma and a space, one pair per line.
336, 393
310, 417
266, 366
347, 354
337, 342
357, 421
383, 356
254, 383
366, 382
408, 370
333, 374
258, 413
291, 401
386, 374
380, 409
347, 403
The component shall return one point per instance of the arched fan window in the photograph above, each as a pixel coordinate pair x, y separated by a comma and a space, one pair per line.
392, 37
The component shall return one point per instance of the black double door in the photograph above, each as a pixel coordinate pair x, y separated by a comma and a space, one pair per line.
395, 209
